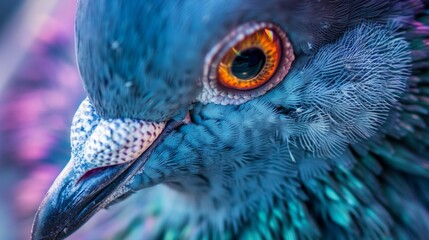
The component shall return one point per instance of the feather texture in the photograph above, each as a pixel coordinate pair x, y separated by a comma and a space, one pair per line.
337, 150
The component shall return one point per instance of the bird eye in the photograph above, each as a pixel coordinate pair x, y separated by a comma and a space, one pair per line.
251, 62
254, 58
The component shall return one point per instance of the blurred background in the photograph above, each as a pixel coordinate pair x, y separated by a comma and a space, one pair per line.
39, 91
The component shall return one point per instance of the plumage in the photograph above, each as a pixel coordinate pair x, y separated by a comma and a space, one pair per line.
337, 150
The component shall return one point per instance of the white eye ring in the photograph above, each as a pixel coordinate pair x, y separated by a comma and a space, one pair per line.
213, 92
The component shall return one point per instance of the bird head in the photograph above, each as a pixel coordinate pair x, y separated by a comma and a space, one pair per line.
225, 101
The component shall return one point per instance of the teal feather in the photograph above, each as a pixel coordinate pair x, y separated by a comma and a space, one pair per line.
338, 150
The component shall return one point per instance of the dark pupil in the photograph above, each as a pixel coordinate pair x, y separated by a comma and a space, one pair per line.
248, 63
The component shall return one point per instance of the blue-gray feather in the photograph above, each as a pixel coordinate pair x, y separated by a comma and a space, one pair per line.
128, 52
338, 150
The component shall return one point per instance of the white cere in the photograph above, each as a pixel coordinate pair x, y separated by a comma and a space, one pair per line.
107, 142
116, 141
84, 122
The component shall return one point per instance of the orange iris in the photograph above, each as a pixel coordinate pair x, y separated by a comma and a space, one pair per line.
251, 62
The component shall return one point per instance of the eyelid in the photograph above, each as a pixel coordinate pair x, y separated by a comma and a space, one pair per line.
214, 92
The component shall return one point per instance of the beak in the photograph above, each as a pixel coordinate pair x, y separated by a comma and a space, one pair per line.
80, 191
71, 201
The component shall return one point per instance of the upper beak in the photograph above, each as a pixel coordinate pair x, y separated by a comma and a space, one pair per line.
80, 191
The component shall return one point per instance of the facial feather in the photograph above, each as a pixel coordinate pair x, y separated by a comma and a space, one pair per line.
341, 96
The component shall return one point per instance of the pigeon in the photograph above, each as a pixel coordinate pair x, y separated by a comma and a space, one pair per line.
274, 119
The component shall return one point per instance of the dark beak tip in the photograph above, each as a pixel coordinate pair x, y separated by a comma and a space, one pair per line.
43, 227
74, 198
62, 210
50, 220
